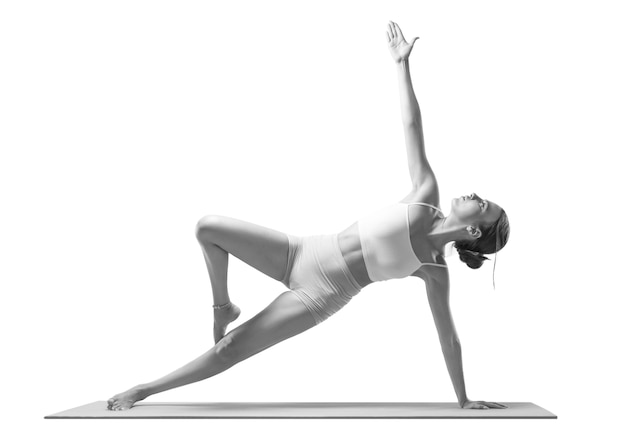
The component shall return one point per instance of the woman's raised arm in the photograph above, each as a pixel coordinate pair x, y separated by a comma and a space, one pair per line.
422, 176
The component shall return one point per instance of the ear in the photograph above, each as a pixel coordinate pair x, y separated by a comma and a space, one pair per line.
474, 231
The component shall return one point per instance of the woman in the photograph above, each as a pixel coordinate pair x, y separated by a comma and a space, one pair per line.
323, 272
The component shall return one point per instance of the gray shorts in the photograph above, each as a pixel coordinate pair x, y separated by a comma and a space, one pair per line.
318, 275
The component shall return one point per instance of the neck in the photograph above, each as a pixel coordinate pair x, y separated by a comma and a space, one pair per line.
447, 229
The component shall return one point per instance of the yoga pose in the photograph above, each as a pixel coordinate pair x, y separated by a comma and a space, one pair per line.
323, 272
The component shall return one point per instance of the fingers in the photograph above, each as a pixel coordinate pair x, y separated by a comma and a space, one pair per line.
487, 405
495, 405
398, 31
394, 32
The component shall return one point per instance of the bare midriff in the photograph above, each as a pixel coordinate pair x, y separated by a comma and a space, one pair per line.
350, 246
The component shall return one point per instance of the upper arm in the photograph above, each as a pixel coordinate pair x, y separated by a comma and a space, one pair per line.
420, 171
423, 181
438, 290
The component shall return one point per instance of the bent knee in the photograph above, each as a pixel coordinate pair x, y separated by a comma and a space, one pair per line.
208, 225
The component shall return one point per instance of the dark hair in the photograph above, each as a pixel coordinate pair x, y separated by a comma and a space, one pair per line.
493, 238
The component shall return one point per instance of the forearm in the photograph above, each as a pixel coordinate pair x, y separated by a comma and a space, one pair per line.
409, 107
454, 362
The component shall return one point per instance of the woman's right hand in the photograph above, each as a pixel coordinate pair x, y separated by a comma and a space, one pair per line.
481, 405
398, 47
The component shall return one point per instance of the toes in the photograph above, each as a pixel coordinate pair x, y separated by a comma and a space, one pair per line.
121, 402
125, 406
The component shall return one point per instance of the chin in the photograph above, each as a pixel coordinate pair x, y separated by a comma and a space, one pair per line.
454, 204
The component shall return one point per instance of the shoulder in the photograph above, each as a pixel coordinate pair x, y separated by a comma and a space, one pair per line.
434, 275
438, 283
426, 194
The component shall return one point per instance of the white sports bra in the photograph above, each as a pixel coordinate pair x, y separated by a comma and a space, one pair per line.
386, 242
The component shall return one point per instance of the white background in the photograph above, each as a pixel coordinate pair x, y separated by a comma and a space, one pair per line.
124, 122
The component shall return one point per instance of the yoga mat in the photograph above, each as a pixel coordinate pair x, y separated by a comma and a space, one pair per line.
303, 410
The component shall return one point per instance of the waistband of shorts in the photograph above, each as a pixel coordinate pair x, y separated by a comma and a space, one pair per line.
294, 241
344, 264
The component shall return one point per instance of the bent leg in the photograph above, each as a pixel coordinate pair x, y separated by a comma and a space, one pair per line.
285, 317
262, 248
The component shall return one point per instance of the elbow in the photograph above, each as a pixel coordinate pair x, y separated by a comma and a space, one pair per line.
411, 122
451, 342
412, 116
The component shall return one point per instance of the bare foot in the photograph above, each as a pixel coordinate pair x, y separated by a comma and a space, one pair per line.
126, 400
222, 317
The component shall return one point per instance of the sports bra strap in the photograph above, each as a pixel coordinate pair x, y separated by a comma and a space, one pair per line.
434, 264
425, 204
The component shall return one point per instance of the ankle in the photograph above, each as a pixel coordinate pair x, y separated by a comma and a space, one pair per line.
143, 391
224, 306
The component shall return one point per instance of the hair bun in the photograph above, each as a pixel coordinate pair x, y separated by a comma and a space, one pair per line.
473, 259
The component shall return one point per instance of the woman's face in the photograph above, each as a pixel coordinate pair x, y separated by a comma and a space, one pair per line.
474, 210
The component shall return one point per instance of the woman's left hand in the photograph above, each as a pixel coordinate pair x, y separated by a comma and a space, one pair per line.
399, 48
482, 405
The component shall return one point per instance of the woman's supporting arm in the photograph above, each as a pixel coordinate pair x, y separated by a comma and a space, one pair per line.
439, 300
438, 290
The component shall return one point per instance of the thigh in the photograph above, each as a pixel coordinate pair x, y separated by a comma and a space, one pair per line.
265, 249
285, 317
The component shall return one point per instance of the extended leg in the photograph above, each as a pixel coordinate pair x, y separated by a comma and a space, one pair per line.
285, 317
262, 248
